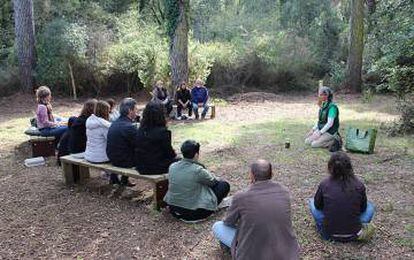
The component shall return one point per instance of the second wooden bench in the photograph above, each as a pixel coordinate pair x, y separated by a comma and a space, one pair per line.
76, 171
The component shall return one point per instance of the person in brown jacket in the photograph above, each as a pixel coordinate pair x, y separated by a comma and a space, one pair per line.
258, 223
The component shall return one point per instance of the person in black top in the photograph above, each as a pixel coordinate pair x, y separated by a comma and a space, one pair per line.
77, 132
340, 206
184, 100
160, 95
122, 139
153, 150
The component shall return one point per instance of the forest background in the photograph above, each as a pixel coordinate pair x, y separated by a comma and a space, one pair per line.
105, 46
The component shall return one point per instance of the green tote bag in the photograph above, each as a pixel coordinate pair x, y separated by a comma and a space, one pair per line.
361, 141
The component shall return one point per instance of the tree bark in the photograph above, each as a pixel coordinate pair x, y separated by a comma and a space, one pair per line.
353, 80
179, 46
25, 41
72, 80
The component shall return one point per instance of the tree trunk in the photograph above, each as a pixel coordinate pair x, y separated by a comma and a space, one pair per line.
25, 41
353, 80
179, 46
72, 80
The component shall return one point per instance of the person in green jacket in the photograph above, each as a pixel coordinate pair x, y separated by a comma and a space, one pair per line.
193, 192
325, 131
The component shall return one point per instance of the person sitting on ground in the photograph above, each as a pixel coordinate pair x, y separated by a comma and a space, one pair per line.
113, 112
160, 95
325, 131
122, 139
258, 223
199, 98
193, 192
97, 127
183, 100
153, 149
340, 206
77, 132
45, 120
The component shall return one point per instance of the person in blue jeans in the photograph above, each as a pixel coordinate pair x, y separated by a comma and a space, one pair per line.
340, 207
47, 124
199, 98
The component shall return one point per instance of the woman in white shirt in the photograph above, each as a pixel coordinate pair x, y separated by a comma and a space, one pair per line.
97, 127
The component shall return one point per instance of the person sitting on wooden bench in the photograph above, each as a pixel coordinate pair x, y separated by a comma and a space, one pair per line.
77, 132
183, 96
122, 136
199, 98
153, 150
97, 127
45, 120
193, 192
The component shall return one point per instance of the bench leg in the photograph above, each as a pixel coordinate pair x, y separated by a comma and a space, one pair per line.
75, 174
213, 112
83, 175
160, 189
68, 174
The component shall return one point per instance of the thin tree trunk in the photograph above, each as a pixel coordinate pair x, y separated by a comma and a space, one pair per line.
353, 79
179, 47
72, 80
25, 41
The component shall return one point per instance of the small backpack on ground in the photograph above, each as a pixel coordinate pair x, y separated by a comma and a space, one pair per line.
362, 141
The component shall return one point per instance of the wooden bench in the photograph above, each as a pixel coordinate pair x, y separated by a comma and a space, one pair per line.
211, 107
41, 145
76, 171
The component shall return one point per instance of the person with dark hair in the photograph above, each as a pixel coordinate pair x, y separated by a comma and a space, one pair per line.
46, 122
63, 146
153, 149
77, 135
113, 112
325, 131
340, 206
122, 139
183, 100
161, 96
193, 192
97, 127
258, 224
199, 98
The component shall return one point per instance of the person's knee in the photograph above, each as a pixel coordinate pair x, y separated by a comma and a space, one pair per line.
217, 227
316, 144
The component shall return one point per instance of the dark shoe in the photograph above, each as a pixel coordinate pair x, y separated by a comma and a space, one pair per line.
114, 181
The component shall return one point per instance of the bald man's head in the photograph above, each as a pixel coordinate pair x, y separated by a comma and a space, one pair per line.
261, 170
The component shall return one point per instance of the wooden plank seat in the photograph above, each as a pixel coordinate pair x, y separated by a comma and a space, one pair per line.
41, 145
76, 171
212, 109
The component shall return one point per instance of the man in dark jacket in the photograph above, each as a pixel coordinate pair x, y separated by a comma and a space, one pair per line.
199, 98
258, 223
122, 135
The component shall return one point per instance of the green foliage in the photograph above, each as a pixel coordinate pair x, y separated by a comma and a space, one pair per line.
140, 50
69, 46
172, 15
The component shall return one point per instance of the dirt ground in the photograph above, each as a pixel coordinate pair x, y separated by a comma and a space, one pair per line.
41, 218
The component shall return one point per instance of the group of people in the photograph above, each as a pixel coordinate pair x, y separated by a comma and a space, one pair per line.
190, 99
258, 222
